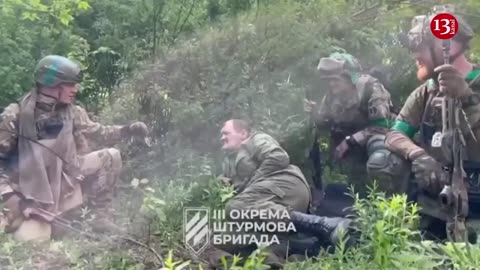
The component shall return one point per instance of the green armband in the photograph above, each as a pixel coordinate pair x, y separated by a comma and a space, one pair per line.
404, 127
472, 74
381, 123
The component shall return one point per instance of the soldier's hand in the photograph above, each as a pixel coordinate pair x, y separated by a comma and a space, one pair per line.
451, 82
341, 150
309, 105
138, 129
429, 173
12, 207
224, 180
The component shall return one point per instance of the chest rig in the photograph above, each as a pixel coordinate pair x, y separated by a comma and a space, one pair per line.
48, 122
349, 115
432, 124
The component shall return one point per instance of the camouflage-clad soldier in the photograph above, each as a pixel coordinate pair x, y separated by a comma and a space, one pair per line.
43, 164
263, 178
355, 110
422, 111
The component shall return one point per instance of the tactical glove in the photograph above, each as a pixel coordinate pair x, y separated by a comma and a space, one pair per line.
429, 173
451, 82
137, 129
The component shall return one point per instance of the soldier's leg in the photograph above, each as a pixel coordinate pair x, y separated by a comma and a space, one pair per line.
391, 172
101, 170
279, 195
274, 196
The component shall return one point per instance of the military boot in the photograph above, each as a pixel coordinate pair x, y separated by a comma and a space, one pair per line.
324, 227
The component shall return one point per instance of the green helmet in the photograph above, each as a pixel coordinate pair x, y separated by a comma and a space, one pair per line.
420, 32
54, 69
337, 64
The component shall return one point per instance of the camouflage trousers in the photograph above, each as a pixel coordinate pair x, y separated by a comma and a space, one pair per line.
276, 194
101, 170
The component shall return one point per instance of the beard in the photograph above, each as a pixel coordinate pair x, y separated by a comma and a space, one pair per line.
424, 72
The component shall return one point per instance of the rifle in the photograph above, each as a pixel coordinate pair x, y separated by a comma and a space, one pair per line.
57, 220
314, 155
66, 224
454, 196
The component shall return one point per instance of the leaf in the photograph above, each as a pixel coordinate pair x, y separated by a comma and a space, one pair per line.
135, 182
83, 5
182, 265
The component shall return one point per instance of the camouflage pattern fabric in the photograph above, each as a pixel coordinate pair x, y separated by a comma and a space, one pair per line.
422, 112
101, 168
362, 114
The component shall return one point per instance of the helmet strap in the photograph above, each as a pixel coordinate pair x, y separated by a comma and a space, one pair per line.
55, 96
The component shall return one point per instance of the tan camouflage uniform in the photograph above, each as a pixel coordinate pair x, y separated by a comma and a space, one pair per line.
100, 168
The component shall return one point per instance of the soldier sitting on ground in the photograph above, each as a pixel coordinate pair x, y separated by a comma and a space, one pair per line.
42, 173
263, 178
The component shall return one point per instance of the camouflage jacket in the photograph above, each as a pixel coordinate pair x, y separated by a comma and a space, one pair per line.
362, 114
259, 158
422, 111
47, 121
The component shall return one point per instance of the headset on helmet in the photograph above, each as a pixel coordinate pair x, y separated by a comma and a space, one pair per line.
421, 34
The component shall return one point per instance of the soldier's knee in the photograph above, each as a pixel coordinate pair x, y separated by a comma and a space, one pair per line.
115, 159
389, 170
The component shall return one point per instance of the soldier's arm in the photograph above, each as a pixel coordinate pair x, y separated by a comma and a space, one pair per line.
407, 123
8, 143
378, 104
96, 131
270, 156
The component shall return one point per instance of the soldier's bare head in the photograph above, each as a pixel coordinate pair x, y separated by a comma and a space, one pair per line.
233, 133
64, 93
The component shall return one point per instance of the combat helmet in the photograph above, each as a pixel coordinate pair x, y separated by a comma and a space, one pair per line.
420, 33
54, 69
337, 64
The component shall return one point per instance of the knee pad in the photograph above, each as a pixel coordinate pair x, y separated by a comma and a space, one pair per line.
386, 163
389, 169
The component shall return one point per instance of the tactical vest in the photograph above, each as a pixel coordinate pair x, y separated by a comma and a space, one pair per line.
358, 114
432, 123
432, 114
